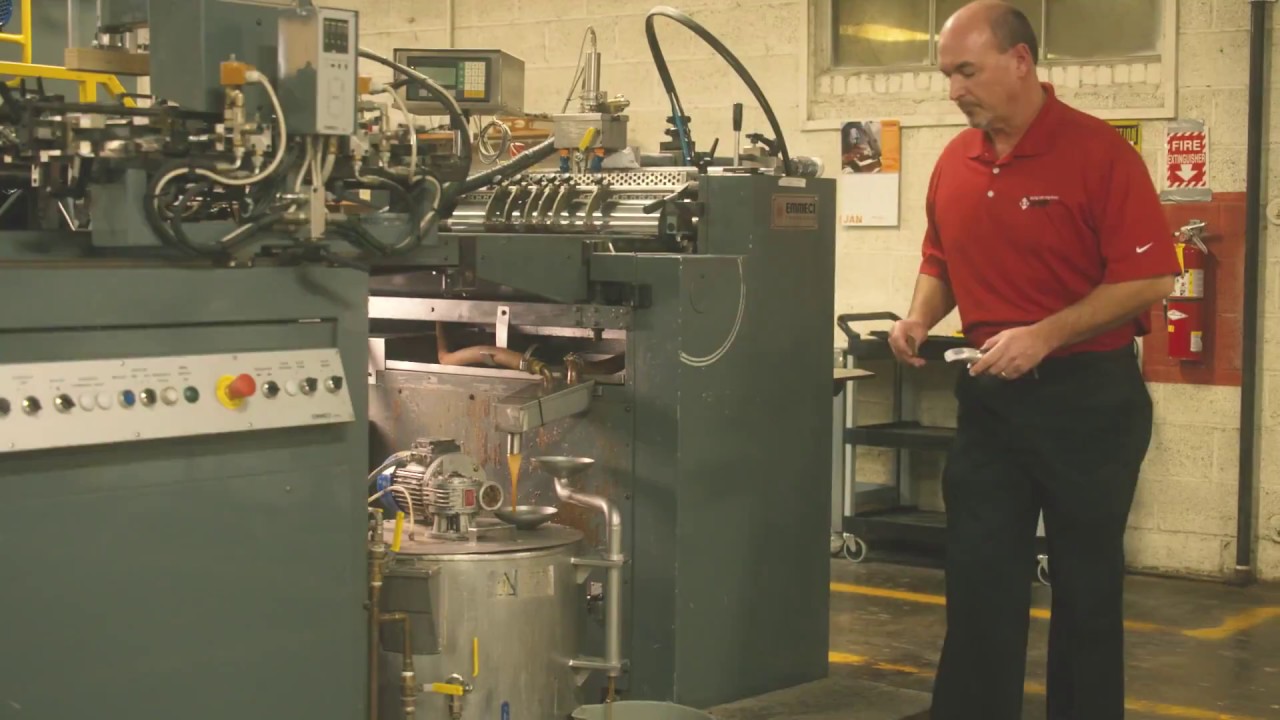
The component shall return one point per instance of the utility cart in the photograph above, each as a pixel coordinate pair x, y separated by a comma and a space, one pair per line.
866, 513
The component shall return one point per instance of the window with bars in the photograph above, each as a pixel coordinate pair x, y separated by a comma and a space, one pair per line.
903, 34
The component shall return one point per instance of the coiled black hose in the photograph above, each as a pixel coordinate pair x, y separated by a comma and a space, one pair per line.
677, 110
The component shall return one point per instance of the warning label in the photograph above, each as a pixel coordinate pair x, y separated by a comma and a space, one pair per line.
1131, 131
1187, 158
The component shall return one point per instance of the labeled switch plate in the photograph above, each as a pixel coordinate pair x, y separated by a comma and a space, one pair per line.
94, 402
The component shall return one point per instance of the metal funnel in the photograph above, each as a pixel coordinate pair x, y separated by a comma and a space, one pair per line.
563, 468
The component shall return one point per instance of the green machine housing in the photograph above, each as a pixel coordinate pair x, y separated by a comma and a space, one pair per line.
191, 570
714, 439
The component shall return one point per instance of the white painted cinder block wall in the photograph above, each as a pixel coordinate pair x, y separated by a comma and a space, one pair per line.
1184, 516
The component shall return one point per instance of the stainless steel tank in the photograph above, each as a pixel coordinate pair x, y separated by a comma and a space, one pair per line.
497, 614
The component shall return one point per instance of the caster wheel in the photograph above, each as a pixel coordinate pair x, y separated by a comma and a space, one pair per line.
854, 549
1042, 570
836, 545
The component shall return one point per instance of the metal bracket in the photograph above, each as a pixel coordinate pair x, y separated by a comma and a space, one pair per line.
503, 327
584, 566
584, 666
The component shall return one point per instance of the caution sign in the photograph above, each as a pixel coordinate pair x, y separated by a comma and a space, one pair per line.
1187, 162
1131, 131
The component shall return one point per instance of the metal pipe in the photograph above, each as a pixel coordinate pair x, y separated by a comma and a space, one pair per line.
377, 553
408, 681
1244, 571
515, 443
613, 591
484, 355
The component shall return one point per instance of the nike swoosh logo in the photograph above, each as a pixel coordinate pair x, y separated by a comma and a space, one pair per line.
1145, 248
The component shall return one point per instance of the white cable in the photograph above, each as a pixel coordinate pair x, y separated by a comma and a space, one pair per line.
257, 77
169, 176
488, 153
305, 169
711, 359
413, 132
317, 172
430, 217
330, 160
408, 502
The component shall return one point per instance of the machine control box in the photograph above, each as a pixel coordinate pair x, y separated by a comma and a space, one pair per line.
93, 402
318, 71
482, 81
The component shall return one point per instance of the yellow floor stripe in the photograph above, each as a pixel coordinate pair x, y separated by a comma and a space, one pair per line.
1235, 624
1181, 712
928, 599
1232, 625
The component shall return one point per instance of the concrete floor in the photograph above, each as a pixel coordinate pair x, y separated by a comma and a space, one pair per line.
1196, 650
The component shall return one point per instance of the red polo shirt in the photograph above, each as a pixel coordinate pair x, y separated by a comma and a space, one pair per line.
1022, 237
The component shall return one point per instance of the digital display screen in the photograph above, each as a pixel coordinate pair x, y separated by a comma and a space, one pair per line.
445, 76
337, 35
462, 76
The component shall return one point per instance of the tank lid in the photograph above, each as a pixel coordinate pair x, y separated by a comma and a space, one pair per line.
488, 537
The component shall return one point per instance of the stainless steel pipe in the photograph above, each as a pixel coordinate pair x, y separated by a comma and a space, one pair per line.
615, 558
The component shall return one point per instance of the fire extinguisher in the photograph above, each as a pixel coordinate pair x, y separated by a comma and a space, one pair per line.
1184, 309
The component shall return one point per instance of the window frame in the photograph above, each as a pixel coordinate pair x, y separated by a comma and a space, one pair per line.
819, 62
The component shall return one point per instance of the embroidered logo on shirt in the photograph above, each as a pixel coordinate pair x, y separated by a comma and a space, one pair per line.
1037, 201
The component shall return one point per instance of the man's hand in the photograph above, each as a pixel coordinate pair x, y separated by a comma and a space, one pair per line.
1014, 352
905, 340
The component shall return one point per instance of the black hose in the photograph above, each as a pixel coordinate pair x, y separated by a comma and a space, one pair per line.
172, 234
677, 110
517, 164
353, 230
264, 191
434, 90
1249, 385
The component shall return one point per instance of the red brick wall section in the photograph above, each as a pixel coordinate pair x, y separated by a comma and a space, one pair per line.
1224, 236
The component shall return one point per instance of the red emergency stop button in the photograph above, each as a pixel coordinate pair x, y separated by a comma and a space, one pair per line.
232, 391
242, 387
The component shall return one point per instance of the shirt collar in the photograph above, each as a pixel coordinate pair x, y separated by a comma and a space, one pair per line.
1038, 138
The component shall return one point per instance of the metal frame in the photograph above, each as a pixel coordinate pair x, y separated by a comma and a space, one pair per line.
88, 81
602, 317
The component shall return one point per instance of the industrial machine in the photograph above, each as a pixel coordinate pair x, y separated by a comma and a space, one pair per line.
195, 276
667, 314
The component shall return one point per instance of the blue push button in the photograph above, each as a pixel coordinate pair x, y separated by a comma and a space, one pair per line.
128, 399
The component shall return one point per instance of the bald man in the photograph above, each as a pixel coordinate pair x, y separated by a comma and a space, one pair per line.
1046, 233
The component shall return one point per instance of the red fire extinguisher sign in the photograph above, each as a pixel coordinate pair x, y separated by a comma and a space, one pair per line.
1185, 308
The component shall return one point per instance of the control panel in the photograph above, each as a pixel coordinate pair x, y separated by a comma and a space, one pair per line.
481, 81
318, 71
93, 402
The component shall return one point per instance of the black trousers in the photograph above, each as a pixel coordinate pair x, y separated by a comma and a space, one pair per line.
1068, 439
